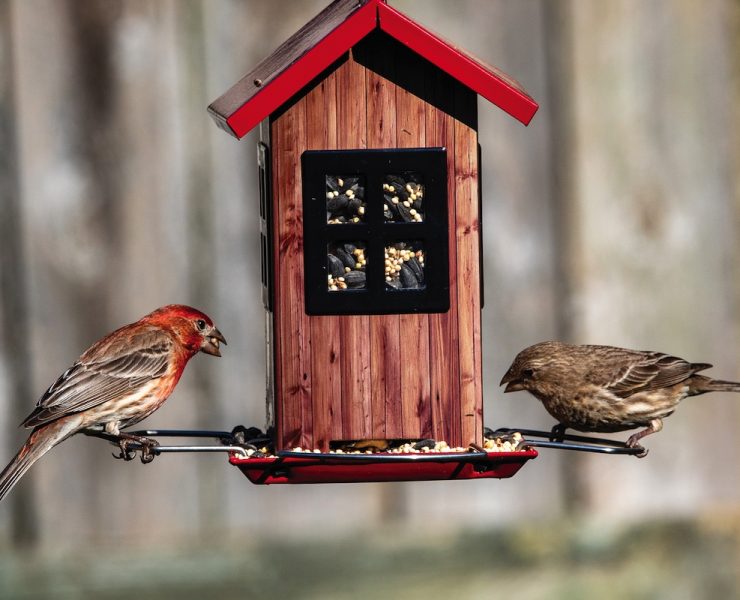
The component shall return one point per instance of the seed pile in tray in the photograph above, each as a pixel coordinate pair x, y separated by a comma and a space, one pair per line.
508, 443
403, 198
345, 200
404, 266
346, 263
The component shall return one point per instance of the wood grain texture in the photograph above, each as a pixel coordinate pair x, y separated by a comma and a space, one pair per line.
416, 418
293, 344
384, 329
326, 345
354, 330
468, 273
392, 376
443, 334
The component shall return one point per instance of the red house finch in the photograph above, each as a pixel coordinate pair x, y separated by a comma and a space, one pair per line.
118, 381
606, 389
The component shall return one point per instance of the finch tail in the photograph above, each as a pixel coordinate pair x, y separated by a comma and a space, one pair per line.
701, 385
719, 385
38, 443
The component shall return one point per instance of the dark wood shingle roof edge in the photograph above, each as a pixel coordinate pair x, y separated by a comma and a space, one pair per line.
333, 32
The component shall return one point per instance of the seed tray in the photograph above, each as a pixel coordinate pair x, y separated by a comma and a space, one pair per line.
311, 467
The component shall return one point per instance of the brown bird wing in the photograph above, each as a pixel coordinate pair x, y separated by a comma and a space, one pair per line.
113, 367
649, 371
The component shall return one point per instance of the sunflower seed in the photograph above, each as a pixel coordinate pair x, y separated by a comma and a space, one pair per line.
336, 267
345, 257
408, 279
416, 267
355, 279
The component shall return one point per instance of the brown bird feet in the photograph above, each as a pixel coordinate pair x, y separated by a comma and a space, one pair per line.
634, 442
144, 444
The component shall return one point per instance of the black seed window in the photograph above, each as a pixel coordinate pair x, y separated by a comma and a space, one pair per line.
375, 231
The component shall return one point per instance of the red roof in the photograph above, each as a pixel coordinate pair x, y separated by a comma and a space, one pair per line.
333, 32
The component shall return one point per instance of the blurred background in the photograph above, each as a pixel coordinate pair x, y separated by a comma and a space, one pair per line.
613, 218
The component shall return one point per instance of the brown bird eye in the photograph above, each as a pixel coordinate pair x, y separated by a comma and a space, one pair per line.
200, 324
527, 373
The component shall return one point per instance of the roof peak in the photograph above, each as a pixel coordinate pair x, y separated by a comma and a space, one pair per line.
332, 33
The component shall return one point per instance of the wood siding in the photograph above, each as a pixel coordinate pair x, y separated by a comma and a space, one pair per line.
387, 376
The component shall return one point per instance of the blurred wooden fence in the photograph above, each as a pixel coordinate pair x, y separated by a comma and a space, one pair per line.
613, 218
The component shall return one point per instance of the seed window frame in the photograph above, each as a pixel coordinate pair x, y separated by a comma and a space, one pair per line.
373, 166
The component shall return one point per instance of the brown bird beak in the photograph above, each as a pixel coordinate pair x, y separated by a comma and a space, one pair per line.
512, 383
211, 342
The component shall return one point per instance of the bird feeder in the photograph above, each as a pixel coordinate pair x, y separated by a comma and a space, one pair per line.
370, 213
370, 229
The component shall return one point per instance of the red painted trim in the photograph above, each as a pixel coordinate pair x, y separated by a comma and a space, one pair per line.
460, 66
301, 72
376, 13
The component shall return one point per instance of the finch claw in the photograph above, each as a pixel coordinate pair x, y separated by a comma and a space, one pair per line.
125, 453
147, 451
633, 442
143, 444
643, 453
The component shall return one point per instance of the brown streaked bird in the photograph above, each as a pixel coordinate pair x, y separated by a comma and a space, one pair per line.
604, 389
118, 381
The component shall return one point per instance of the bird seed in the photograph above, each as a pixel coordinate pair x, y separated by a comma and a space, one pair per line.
346, 265
345, 199
507, 443
404, 266
403, 198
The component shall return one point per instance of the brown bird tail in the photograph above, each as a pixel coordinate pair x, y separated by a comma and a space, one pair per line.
719, 385
38, 443
701, 385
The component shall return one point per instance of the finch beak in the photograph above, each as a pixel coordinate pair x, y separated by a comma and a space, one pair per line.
512, 383
211, 342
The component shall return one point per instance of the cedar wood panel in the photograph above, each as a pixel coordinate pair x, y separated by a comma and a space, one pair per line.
381, 376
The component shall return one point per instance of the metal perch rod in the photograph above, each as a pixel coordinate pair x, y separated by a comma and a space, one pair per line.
223, 436
578, 443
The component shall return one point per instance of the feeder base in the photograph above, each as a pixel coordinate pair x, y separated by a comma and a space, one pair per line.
309, 467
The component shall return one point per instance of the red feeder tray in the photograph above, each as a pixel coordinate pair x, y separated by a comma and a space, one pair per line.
310, 467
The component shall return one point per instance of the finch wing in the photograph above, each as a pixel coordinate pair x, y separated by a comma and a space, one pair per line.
648, 371
112, 368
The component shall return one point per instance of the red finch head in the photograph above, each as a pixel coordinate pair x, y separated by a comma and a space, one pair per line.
193, 329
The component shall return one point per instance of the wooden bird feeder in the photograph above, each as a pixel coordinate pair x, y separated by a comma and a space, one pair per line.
371, 244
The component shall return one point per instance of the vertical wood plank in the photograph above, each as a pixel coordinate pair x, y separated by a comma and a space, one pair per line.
468, 271
294, 341
326, 347
443, 342
413, 328
354, 330
384, 329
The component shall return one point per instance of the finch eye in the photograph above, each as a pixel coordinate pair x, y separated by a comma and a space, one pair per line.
527, 373
200, 324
